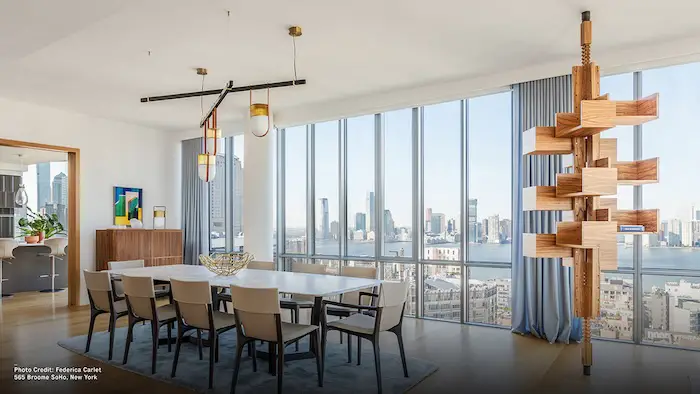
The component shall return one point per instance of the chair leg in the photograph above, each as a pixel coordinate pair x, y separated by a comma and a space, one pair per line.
341, 337
350, 348
216, 351
315, 336
169, 326
212, 351
359, 350
92, 326
296, 321
280, 366
399, 337
377, 364
271, 358
178, 343
255, 357
112, 321
129, 339
237, 366
199, 343
154, 331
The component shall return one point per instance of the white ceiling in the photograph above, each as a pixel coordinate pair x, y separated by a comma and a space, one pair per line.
92, 56
9, 154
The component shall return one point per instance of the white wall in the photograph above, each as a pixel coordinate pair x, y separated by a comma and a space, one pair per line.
111, 154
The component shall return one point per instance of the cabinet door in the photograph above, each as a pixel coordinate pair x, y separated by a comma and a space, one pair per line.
132, 245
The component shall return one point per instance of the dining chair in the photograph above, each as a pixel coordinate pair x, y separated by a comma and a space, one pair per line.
141, 304
352, 297
223, 297
296, 302
101, 295
161, 289
257, 312
388, 316
193, 309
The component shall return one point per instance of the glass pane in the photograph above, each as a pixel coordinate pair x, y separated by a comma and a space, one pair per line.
489, 219
442, 291
620, 87
616, 307
403, 272
332, 266
360, 263
326, 184
295, 189
672, 310
362, 218
398, 183
46, 185
489, 296
675, 141
217, 205
441, 177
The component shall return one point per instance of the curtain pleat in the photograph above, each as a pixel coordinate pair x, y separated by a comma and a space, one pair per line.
542, 288
195, 204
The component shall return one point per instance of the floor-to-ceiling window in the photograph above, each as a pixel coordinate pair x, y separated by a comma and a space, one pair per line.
411, 192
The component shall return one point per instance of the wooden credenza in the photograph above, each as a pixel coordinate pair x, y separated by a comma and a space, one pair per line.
155, 247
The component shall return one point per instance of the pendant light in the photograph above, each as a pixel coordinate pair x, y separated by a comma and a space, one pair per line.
260, 122
21, 197
206, 161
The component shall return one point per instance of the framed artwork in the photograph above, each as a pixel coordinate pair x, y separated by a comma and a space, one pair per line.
128, 204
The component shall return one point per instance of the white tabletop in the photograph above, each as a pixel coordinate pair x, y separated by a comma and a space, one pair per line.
287, 282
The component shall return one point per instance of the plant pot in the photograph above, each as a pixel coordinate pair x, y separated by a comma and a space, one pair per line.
31, 239
41, 236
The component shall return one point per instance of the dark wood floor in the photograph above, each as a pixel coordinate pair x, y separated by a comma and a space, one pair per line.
471, 359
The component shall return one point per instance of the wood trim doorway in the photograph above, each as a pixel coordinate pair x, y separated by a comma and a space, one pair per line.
73, 211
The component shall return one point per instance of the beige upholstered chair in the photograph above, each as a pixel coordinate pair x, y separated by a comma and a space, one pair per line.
353, 297
193, 308
99, 287
258, 317
224, 296
297, 301
58, 250
7, 245
141, 305
162, 290
388, 316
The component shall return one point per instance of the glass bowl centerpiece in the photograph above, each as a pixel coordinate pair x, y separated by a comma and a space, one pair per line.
226, 264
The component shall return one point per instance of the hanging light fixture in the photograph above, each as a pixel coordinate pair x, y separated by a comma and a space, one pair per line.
21, 197
206, 161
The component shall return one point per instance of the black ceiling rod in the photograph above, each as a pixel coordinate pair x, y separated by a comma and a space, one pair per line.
218, 91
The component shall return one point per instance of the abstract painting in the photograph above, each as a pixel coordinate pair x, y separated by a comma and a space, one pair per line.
128, 204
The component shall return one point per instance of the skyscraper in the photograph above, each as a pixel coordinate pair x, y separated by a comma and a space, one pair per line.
360, 221
323, 225
451, 226
371, 220
217, 200
388, 223
237, 196
437, 223
428, 217
484, 230
493, 230
43, 183
59, 189
473, 236
335, 229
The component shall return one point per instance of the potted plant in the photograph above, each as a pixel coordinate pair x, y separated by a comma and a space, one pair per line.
37, 226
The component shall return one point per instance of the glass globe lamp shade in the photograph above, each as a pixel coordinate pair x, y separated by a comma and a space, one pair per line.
206, 167
21, 197
259, 119
213, 142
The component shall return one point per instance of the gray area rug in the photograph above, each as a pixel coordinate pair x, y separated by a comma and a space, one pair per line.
299, 376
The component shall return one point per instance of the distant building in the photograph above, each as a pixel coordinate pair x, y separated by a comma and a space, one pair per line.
389, 229
683, 289
472, 231
493, 230
323, 226
335, 229
685, 317
442, 253
43, 184
506, 230
428, 217
687, 237
238, 196
656, 310
664, 231
437, 223
484, 230
483, 302
360, 221
675, 230
451, 226
59, 189
217, 204
371, 220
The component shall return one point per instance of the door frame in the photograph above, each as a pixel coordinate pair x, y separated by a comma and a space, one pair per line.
73, 211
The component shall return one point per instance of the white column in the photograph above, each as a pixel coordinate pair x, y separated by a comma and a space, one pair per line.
257, 191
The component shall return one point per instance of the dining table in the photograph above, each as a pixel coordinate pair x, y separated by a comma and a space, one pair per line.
317, 286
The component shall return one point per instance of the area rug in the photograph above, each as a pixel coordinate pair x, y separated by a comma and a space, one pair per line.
299, 376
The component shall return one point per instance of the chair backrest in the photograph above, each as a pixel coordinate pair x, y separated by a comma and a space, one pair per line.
257, 311
140, 296
193, 301
353, 297
120, 265
262, 265
99, 287
304, 268
392, 297
57, 245
7, 245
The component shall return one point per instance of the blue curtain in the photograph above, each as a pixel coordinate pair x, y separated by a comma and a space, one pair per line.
195, 205
542, 288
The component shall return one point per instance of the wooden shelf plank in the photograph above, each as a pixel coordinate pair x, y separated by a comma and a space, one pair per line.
639, 172
544, 246
541, 141
597, 116
600, 237
590, 182
544, 198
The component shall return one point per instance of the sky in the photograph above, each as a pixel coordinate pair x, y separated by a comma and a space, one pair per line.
672, 138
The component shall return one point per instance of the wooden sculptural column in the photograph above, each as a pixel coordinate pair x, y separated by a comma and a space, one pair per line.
588, 241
